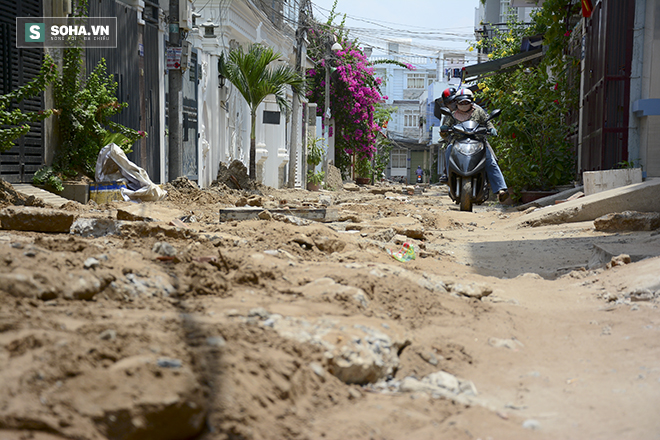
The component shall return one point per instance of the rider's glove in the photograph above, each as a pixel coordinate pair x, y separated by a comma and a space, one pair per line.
493, 132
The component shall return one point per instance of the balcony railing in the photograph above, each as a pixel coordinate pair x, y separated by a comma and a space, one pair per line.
406, 59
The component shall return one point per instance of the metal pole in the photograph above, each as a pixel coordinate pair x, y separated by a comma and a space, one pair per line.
330, 156
175, 91
293, 149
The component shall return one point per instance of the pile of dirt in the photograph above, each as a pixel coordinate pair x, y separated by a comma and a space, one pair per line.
184, 194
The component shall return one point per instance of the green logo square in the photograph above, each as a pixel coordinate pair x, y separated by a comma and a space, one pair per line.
35, 32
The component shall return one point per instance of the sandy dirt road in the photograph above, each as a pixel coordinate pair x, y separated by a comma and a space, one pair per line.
277, 328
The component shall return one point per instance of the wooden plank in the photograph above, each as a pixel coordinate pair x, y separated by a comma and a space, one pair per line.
250, 213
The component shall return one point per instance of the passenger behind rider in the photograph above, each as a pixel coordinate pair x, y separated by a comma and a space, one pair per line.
467, 109
448, 100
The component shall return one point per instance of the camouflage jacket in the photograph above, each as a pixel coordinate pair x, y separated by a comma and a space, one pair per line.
478, 115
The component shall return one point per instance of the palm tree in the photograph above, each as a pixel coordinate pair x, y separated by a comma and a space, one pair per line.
249, 72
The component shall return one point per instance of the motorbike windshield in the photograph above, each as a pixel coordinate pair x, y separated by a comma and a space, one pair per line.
469, 126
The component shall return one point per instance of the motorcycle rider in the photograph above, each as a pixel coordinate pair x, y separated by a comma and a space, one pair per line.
467, 109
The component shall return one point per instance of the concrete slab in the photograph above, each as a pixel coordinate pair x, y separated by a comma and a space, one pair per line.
48, 197
641, 197
598, 181
639, 250
250, 213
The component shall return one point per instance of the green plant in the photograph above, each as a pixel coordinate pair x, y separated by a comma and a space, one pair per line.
47, 177
363, 167
628, 164
86, 106
315, 178
533, 144
250, 73
384, 145
15, 123
315, 156
85, 111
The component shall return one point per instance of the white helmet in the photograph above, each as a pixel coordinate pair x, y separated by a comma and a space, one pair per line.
464, 95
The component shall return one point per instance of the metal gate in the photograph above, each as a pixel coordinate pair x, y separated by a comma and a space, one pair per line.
608, 61
18, 67
134, 63
190, 120
190, 129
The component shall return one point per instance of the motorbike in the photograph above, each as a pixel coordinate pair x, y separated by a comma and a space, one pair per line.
466, 170
419, 178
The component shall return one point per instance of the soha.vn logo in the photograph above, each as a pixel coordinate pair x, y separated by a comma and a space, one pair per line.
36, 32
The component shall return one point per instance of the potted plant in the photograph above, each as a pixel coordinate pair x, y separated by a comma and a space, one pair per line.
314, 158
363, 170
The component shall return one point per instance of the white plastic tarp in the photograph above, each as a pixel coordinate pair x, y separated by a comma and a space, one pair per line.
112, 164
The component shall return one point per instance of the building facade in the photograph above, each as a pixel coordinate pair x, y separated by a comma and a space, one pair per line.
215, 118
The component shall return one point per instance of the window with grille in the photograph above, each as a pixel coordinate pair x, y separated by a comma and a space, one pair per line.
410, 118
416, 80
399, 158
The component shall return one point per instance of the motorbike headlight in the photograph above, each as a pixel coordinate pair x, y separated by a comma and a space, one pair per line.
469, 148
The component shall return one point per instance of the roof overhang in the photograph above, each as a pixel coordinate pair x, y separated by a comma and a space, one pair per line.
475, 71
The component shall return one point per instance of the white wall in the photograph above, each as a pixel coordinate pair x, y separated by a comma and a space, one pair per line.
224, 116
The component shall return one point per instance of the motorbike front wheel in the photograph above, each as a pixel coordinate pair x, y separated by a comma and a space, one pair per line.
466, 195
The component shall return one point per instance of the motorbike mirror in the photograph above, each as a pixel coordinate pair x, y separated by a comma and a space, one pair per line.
494, 114
445, 111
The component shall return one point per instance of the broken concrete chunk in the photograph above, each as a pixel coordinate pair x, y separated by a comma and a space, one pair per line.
472, 290
619, 260
95, 227
29, 218
628, 221
416, 232
164, 248
255, 201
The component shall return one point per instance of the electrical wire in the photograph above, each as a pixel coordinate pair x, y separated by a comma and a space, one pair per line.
353, 17
446, 34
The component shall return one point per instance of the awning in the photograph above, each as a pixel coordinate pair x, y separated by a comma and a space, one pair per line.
475, 71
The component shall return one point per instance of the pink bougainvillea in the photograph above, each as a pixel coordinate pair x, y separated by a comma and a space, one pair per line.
354, 92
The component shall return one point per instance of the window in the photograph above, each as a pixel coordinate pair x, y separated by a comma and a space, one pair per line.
416, 80
410, 118
399, 158
506, 11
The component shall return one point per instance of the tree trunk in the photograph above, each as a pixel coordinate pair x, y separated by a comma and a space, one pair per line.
253, 146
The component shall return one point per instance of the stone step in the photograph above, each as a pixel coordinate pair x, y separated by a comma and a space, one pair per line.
48, 197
